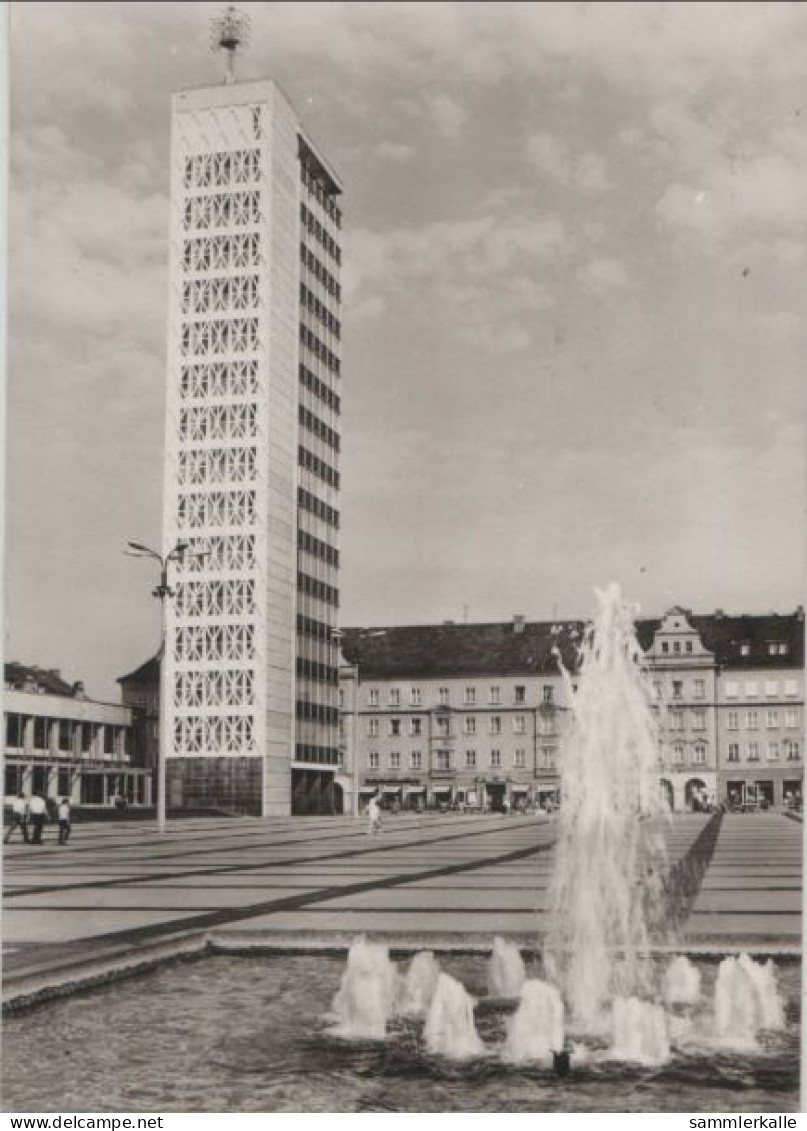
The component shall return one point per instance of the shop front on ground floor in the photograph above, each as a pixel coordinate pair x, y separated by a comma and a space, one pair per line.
766, 788
85, 782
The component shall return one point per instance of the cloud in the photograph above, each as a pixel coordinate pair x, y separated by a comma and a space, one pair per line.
603, 276
486, 275
395, 151
585, 173
447, 115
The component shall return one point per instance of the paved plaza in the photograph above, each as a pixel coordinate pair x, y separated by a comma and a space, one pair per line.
120, 890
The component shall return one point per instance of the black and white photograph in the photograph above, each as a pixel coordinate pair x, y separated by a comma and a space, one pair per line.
404, 557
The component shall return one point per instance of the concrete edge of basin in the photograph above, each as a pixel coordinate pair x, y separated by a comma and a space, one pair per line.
33, 987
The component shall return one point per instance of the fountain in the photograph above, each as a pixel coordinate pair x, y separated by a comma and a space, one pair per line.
506, 972
746, 1001
682, 982
609, 904
608, 887
639, 1032
366, 996
419, 986
535, 1031
450, 1029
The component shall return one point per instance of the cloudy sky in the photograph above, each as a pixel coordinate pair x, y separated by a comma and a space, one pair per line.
574, 331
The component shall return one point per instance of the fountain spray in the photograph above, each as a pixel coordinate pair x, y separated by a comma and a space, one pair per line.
608, 888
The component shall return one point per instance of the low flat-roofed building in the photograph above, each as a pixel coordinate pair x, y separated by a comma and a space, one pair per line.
60, 743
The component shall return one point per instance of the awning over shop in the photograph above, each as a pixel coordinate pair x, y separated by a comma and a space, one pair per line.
410, 789
441, 789
391, 788
368, 789
519, 789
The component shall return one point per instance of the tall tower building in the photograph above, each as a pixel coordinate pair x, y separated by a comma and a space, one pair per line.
251, 457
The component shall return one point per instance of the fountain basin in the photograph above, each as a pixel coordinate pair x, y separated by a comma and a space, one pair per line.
248, 1034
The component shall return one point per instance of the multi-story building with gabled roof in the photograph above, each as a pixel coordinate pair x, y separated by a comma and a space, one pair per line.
476, 713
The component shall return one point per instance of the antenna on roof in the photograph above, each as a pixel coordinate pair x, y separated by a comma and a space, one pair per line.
228, 32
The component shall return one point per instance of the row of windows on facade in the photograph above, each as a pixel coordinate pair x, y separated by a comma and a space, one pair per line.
442, 725
237, 251
219, 553
318, 467
220, 688
240, 208
469, 696
752, 688
324, 198
200, 644
197, 466
312, 263
324, 755
310, 301
205, 296
320, 389
218, 422
208, 380
677, 647
321, 430
317, 507
318, 589
311, 342
319, 232
233, 597
772, 717
317, 548
789, 748
227, 734
64, 734
219, 336
217, 508
443, 759
218, 170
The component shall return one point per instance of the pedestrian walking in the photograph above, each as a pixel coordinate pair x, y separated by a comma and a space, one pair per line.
37, 815
373, 816
19, 818
64, 821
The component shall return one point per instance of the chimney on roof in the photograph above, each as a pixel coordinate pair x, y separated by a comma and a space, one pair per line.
448, 622
55, 672
78, 690
519, 620
800, 612
719, 614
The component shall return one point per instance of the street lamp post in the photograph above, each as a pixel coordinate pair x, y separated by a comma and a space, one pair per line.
162, 591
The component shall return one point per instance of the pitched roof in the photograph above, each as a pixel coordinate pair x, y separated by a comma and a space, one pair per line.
410, 651
50, 681
460, 649
147, 675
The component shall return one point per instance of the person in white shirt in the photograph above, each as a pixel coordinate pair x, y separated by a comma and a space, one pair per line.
19, 818
64, 821
37, 815
373, 816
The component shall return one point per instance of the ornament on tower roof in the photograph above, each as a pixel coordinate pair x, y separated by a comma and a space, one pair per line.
228, 32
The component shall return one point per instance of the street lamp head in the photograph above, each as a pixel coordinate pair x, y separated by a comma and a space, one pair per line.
140, 547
